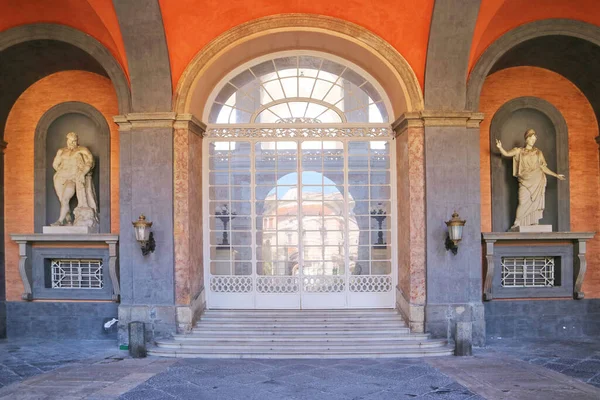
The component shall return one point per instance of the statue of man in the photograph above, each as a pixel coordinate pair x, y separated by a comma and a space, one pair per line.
530, 169
73, 165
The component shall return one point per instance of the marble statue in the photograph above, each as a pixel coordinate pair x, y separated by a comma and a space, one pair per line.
530, 169
73, 165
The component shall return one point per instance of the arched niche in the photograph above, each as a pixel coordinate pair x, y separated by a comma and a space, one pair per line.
50, 135
277, 33
509, 125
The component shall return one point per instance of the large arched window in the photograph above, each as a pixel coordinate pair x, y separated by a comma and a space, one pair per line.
300, 201
299, 88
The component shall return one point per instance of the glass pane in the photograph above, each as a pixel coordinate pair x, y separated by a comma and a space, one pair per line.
220, 268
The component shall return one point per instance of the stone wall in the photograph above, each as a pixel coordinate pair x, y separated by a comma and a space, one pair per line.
60, 320
548, 319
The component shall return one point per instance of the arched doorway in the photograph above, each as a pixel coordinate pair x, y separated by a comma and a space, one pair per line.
299, 171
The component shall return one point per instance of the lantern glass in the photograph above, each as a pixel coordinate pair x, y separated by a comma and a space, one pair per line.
142, 233
455, 232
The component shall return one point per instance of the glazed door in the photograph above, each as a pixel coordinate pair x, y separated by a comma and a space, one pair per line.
299, 224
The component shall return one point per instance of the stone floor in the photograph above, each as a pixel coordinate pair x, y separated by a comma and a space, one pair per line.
96, 370
577, 358
23, 359
301, 379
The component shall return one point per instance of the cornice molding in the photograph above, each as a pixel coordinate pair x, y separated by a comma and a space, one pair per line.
191, 123
424, 118
145, 120
173, 120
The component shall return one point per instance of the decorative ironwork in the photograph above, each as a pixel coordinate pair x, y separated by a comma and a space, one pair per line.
370, 283
77, 274
231, 284
312, 131
277, 284
298, 120
323, 284
528, 272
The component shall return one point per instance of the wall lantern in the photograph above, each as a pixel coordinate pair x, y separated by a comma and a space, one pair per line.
143, 235
455, 231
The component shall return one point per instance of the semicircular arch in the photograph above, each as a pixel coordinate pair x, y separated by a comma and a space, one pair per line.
94, 48
302, 32
548, 27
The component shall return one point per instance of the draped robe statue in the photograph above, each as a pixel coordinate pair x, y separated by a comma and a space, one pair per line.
73, 165
530, 169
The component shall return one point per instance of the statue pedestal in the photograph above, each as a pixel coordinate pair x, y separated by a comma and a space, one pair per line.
69, 230
561, 253
532, 228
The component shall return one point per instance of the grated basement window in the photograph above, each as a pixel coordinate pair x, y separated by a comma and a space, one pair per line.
77, 274
528, 272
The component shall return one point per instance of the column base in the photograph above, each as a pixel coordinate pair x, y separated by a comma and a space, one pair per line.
441, 319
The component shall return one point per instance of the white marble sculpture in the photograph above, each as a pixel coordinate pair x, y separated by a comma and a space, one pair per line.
530, 169
74, 165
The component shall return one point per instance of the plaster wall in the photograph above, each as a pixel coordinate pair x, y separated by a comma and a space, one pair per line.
584, 173
96, 18
404, 24
497, 17
65, 86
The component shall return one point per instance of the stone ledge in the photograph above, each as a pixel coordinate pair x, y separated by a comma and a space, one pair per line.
489, 236
52, 237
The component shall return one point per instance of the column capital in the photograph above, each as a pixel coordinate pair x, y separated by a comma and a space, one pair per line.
191, 123
130, 121
468, 119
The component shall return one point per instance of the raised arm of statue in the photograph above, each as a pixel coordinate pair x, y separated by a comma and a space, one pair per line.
510, 153
57, 160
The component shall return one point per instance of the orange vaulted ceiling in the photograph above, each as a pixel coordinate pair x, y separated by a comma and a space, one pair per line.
97, 18
192, 24
496, 17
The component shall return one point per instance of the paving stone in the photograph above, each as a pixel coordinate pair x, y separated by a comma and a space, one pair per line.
146, 394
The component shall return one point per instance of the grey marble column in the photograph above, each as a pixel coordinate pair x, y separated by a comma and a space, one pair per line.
146, 186
453, 184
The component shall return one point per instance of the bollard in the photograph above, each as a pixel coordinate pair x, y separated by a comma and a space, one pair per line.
464, 339
137, 339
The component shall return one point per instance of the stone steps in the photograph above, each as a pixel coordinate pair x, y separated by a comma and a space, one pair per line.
364, 333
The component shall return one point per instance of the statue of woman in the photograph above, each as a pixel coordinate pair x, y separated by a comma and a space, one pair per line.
529, 167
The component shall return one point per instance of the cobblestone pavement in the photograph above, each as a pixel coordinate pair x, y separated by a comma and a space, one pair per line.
22, 359
577, 358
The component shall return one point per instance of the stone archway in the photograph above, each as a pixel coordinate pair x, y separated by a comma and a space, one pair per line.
301, 31
283, 33
550, 27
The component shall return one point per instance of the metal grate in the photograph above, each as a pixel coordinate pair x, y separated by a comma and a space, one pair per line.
528, 271
77, 274
371, 283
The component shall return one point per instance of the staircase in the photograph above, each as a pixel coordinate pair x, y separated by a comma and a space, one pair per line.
355, 333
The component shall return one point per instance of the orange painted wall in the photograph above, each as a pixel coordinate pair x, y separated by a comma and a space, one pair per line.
97, 18
584, 173
496, 17
192, 24
64, 86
